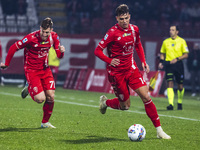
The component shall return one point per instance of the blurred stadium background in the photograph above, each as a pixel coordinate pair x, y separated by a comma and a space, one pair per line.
82, 23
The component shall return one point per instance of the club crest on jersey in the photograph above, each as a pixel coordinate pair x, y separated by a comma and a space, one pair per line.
126, 34
173, 44
25, 40
35, 89
20, 43
106, 36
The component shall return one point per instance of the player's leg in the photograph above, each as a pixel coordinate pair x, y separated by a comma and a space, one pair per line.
170, 85
49, 90
179, 76
137, 83
48, 97
48, 109
151, 111
24, 92
35, 87
150, 108
170, 94
122, 101
54, 70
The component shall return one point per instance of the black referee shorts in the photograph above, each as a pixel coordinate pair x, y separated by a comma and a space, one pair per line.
175, 72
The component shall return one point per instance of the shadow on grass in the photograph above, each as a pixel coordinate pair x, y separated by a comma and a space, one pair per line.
11, 129
93, 139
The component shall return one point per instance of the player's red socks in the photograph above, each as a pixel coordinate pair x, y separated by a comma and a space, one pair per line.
152, 112
113, 103
47, 111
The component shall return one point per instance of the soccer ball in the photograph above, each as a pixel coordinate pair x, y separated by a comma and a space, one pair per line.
136, 132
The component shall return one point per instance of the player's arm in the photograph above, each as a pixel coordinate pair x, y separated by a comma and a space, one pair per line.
15, 47
99, 53
162, 60
9, 56
162, 56
108, 38
112, 61
185, 51
140, 51
60, 49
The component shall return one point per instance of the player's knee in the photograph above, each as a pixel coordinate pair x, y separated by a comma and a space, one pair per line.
146, 98
40, 99
125, 107
50, 97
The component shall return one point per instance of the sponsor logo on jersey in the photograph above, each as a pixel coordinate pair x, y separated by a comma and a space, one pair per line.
44, 42
119, 38
106, 36
25, 40
126, 34
173, 44
36, 45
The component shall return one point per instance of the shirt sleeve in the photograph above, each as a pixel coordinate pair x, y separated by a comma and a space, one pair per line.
108, 38
139, 48
185, 47
163, 50
56, 46
15, 47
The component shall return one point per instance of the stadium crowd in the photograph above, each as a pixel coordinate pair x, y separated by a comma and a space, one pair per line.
89, 17
153, 14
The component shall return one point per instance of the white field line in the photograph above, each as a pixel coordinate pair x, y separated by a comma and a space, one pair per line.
94, 106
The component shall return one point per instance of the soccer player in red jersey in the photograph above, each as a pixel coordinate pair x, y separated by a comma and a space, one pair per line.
38, 74
121, 40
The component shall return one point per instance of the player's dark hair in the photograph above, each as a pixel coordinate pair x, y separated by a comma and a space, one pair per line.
47, 23
121, 10
177, 27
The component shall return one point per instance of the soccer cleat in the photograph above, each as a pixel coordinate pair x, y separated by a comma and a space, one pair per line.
47, 125
24, 92
179, 107
161, 134
170, 107
102, 105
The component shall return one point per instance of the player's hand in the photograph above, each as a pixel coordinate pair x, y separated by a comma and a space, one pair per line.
145, 68
61, 48
3, 66
160, 65
115, 62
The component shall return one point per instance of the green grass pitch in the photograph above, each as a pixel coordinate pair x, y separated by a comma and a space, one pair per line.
81, 126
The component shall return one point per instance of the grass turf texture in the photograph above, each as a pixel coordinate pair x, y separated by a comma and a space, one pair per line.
81, 126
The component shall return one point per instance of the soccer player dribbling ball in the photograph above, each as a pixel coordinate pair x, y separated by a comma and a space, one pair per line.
41, 86
121, 40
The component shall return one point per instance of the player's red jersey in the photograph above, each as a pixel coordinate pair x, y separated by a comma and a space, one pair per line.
35, 50
121, 44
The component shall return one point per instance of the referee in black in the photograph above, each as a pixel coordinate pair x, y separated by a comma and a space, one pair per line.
174, 49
